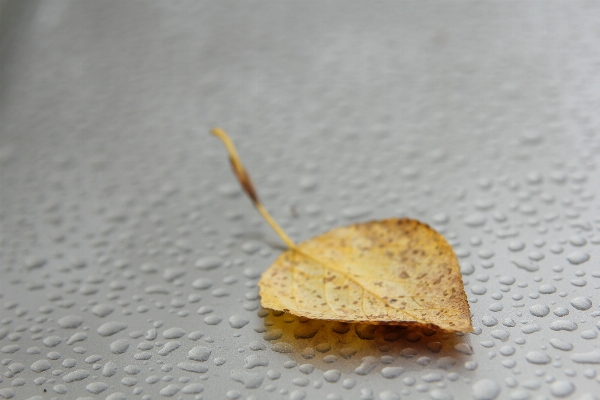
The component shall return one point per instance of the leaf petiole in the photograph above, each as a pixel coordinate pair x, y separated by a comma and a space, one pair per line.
244, 179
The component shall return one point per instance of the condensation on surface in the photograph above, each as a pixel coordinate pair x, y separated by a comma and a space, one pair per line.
130, 258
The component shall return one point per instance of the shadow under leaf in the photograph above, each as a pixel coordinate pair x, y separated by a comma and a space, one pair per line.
359, 348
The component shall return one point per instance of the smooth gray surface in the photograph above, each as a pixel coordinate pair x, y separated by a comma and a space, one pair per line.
480, 118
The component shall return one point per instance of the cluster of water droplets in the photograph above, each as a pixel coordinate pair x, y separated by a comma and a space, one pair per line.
174, 309
130, 261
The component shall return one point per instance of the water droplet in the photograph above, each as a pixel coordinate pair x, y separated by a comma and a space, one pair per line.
77, 337
237, 321
368, 364
52, 341
60, 389
173, 333
560, 344
193, 388
392, 372
282, 347
96, 387
478, 289
168, 348
438, 394
539, 310
273, 334
507, 280
581, 303
34, 262
208, 263
561, 311
253, 361
434, 347
578, 257
40, 366
577, 240
467, 268
170, 274
332, 375
109, 369
563, 325
248, 379
516, 245
119, 346
547, 289
348, 383
475, 220
297, 395
593, 357
562, 388
531, 328
77, 375
536, 256
306, 368
102, 310
500, 334
169, 391
219, 361
212, 319
445, 362
507, 350
536, 357
464, 348
199, 353
347, 352
192, 367
70, 321
489, 321
485, 389
300, 381
388, 395
111, 328
440, 218
589, 334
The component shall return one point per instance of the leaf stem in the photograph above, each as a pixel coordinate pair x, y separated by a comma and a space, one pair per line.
246, 183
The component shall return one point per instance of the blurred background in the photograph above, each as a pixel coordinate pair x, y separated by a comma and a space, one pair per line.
130, 257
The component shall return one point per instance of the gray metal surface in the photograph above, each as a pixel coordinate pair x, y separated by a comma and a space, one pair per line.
130, 258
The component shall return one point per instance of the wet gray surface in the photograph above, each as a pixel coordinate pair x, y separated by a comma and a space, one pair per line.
130, 257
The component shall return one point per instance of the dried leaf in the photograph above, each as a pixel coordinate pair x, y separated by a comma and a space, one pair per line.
390, 271
395, 271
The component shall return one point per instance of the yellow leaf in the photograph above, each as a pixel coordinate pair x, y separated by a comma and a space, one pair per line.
395, 271
392, 271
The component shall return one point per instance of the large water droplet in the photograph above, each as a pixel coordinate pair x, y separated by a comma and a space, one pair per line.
593, 357
332, 375
111, 328
578, 257
539, 310
563, 325
70, 321
238, 321
485, 389
562, 388
536, 357
581, 303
